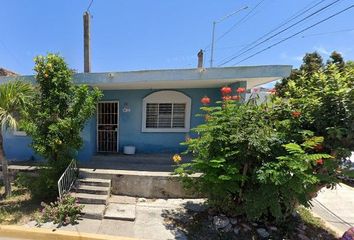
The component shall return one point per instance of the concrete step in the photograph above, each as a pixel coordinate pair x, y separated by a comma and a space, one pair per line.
95, 182
86, 198
92, 174
93, 211
99, 190
119, 211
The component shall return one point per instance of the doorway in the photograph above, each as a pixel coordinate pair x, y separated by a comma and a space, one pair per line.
108, 127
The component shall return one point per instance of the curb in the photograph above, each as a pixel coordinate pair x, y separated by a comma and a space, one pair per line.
338, 232
49, 234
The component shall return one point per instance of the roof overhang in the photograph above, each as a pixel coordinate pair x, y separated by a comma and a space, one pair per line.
180, 78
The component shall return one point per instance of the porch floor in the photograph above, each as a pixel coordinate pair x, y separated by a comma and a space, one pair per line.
160, 162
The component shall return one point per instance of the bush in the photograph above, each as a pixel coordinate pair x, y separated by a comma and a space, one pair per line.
55, 120
256, 160
44, 185
62, 212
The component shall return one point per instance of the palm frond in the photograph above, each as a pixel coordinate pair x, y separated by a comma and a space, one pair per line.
14, 96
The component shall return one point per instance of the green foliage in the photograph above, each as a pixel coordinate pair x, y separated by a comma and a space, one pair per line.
259, 161
325, 100
62, 212
59, 110
56, 118
44, 185
312, 63
14, 98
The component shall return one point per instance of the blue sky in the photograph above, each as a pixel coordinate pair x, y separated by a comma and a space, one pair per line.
160, 34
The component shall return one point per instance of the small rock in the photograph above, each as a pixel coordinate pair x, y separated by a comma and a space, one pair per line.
272, 228
228, 228
141, 199
236, 230
262, 233
233, 221
220, 221
246, 227
302, 237
195, 207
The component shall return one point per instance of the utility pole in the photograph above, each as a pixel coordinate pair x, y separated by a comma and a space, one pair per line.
87, 43
213, 32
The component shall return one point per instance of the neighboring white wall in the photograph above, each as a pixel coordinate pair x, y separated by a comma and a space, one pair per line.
260, 96
167, 97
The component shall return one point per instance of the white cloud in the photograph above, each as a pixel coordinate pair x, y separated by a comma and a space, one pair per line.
322, 50
285, 56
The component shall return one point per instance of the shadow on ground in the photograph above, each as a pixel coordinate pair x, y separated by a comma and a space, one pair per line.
193, 221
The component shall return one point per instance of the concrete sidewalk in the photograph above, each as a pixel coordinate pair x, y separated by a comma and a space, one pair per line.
336, 207
150, 221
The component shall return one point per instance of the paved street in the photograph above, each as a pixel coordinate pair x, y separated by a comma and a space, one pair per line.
336, 207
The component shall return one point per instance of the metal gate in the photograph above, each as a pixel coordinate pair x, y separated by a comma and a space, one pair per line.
107, 126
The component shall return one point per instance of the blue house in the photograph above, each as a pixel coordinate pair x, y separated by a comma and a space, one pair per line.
154, 110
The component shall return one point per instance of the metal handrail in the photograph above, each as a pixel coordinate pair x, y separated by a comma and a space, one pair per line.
68, 178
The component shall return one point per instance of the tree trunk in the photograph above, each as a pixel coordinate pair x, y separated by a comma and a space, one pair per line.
5, 172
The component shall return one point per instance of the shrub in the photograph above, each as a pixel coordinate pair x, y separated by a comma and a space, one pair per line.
62, 212
256, 160
56, 118
44, 185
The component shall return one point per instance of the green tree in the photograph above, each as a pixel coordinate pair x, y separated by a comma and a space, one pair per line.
14, 97
256, 161
325, 99
57, 116
337, 59
312, 62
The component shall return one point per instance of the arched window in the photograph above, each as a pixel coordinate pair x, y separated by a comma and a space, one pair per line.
166, 111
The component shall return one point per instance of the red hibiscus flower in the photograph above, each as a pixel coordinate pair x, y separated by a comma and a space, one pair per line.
226, 98
236, 97
296, 114
205, 100
226, 90
320, 161
241, 90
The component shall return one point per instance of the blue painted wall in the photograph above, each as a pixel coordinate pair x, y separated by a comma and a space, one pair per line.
17, 147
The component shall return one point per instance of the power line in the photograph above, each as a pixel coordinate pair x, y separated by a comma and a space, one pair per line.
302, 36
327, 33
291, 18
244, 19
276, 34
89, 6
303, 30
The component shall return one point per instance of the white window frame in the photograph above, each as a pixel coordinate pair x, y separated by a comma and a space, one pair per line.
167, 96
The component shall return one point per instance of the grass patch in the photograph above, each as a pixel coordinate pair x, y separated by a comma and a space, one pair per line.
348, 173
19, 208
315, 224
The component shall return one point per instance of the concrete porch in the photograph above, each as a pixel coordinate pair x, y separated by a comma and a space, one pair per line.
139, 175
154, 162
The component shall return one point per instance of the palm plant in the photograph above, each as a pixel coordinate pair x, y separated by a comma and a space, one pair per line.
14, 96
